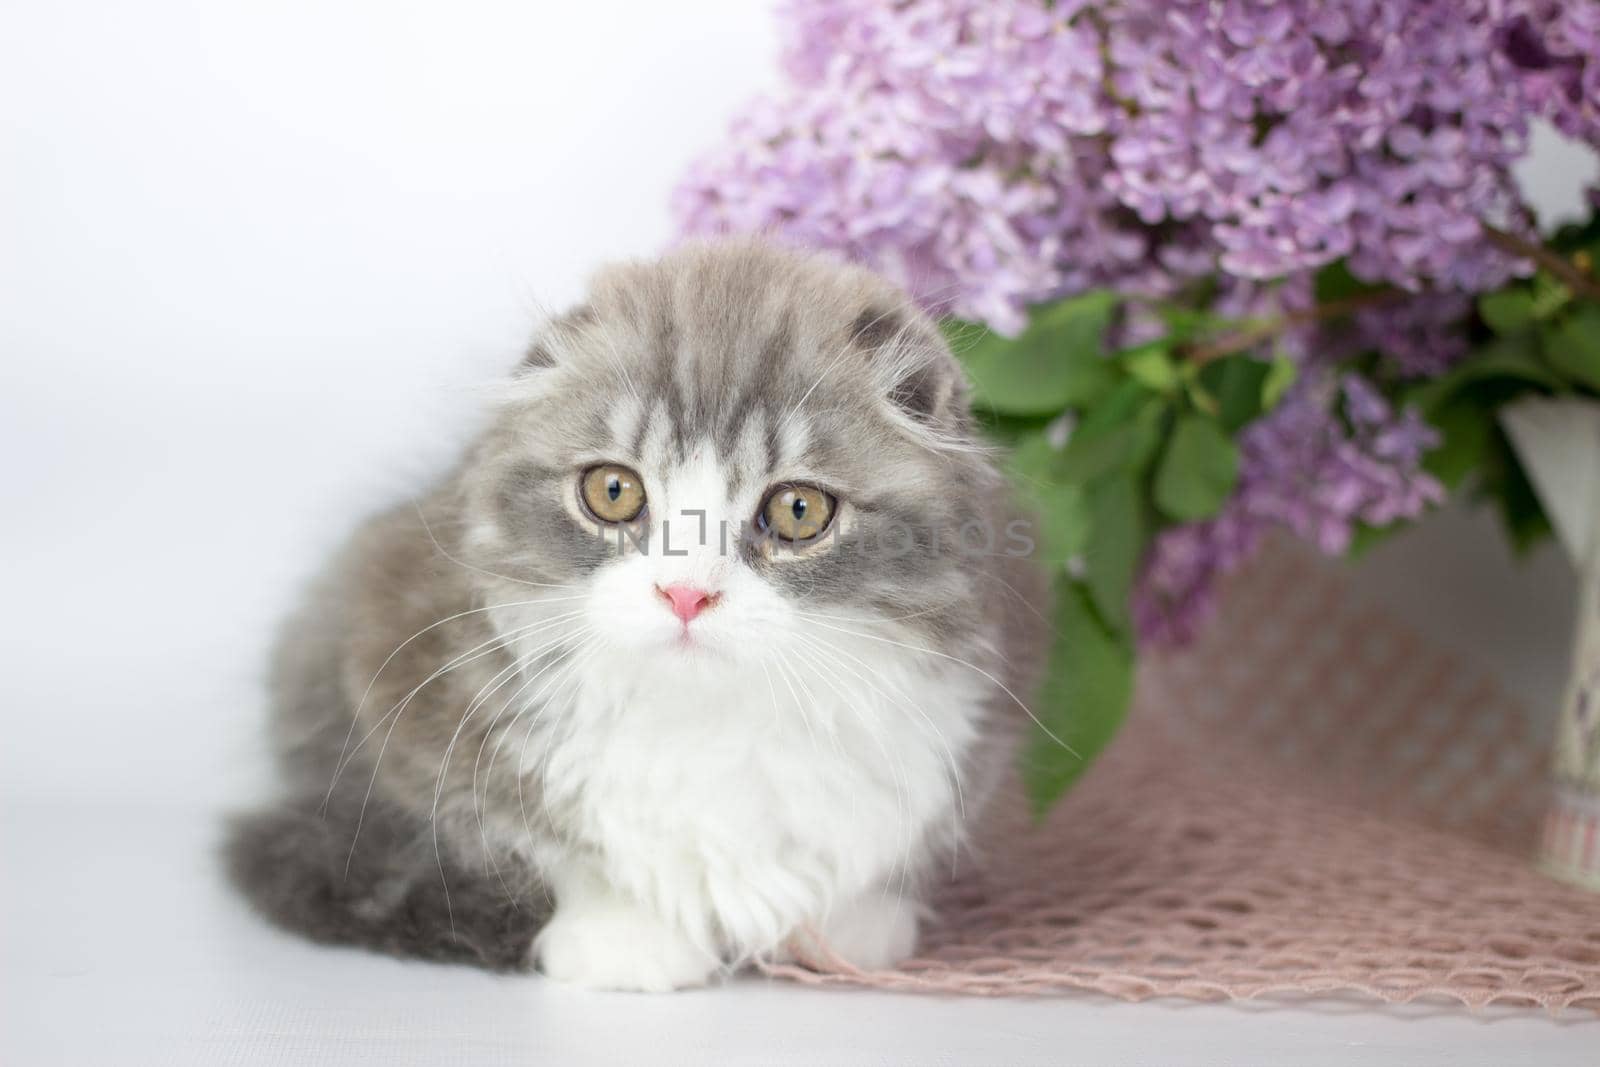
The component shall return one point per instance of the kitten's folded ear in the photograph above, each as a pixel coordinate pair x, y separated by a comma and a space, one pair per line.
554, 342
917, 373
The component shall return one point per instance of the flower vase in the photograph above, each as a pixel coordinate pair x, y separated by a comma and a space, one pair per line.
1558, 442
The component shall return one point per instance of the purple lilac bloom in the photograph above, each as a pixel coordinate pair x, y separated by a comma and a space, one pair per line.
993, 154
1302, 470
990, 154
1555, 44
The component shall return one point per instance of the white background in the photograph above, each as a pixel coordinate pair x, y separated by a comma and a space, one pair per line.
256, 261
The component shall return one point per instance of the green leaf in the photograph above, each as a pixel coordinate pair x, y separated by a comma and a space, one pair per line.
1061, 508
1056, 363
1507, 483
1335, 282
1116, 434
1064, 521
1187, 323
1202, 399
1550, 295
1280, 376
1526, 523
1466, 426
1572, 347
1579, 237
1509, 311
1364, 538
1034, 461
1083, 699
1152, 365
1114, 547
1237, 383
1511, 360
1197, 471
1012, 431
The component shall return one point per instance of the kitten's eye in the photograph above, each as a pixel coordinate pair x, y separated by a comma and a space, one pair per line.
796, 512
612, 493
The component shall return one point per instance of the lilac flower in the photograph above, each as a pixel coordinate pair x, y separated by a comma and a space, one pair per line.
1301, 468
1555, 44
994, 154
1418, 338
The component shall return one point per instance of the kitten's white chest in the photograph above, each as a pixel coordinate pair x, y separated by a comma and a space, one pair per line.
740, 808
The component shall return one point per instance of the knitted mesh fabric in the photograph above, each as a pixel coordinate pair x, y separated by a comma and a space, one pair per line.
1308, 801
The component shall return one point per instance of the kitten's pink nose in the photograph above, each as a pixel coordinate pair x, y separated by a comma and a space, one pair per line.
687, 601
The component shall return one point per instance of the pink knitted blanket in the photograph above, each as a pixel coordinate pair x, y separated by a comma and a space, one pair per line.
1310, 801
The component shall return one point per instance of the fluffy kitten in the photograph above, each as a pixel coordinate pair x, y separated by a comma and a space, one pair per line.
714, 640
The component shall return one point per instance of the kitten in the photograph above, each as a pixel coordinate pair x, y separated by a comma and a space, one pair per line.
715, 640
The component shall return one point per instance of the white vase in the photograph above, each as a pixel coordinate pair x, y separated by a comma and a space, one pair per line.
1559, 444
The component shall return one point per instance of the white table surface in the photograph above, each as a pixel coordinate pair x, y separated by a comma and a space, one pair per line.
122, 945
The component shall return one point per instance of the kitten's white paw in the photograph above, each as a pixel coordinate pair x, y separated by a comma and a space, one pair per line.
616, 946
872, 932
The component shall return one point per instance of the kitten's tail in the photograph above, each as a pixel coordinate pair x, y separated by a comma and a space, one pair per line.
389, 894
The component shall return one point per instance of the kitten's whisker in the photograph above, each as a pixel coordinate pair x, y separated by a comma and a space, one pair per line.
525, 660
864, 618
776, 713
830, 728
783, 672
970, 666
828, 365
896, 767
1025, 602
823, 646
487, 648
941, 442
499, 680
958, 817
902, 793
622, 369
477, 652
483, 694
362, 703
477, 806
577, 636
428, 529
903, 306
579, 655
581, 658
565, 669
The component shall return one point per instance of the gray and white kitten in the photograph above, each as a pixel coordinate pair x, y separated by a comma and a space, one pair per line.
709, 650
